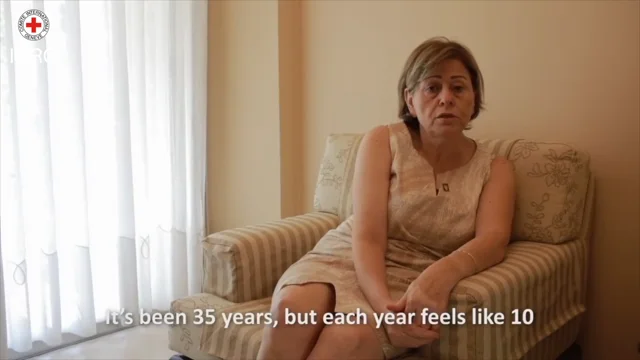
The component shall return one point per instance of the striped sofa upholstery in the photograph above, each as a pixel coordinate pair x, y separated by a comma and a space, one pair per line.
541, 283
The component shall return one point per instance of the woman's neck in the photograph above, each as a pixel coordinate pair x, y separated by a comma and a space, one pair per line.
445, 153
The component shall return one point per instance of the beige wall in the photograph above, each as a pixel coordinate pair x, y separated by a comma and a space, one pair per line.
566, 71
244, 114
255, 167
291, 105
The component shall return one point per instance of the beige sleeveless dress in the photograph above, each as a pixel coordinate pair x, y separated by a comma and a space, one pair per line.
424, 226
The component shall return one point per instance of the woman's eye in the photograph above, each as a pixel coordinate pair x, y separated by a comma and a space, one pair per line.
431, 88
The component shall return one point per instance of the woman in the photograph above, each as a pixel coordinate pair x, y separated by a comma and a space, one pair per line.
431, 207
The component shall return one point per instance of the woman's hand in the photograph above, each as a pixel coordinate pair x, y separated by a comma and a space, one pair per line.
410, 336
431, 292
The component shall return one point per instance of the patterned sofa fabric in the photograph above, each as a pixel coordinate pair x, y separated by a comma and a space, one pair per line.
185, 337
333, 188
537, 288
551, 178
552, 181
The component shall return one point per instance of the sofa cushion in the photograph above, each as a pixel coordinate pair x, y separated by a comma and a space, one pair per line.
333, 188
552, 181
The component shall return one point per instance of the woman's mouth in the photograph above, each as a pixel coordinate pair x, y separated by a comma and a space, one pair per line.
448, 119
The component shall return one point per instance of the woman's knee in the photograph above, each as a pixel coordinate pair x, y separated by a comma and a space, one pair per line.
302, 299
288, 339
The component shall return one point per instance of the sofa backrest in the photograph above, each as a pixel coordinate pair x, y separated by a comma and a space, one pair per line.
551, 179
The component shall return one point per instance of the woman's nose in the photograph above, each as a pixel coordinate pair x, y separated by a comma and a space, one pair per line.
446, 96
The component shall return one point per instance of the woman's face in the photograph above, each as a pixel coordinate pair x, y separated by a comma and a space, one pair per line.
444, 101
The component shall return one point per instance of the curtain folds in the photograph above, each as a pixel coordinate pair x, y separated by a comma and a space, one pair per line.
103, 164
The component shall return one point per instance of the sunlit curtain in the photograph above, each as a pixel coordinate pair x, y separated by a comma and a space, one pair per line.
103, 164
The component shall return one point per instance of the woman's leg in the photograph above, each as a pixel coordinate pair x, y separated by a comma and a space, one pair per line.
296, 341
347, 342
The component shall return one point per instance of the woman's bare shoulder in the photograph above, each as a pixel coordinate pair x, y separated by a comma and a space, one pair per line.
377, 137
381, 135
375, 149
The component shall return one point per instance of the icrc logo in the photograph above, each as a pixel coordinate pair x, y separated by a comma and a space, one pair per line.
33, 25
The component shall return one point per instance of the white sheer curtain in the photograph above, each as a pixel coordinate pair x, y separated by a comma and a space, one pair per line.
103, 164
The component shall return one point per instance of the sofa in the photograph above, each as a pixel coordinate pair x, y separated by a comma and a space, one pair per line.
540, 286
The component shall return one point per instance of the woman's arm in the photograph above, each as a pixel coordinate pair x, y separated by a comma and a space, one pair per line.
370, 201
493, 228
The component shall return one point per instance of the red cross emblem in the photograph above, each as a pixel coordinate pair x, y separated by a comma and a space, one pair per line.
33, 24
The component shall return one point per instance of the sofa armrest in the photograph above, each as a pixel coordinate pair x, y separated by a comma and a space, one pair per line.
245, 264
538, 285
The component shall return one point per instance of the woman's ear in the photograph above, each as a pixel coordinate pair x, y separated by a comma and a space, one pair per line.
408, 99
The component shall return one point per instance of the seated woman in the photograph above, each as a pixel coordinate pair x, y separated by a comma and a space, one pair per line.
431, 207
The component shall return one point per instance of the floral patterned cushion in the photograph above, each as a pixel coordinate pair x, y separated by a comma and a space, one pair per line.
333, 189
552, 180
